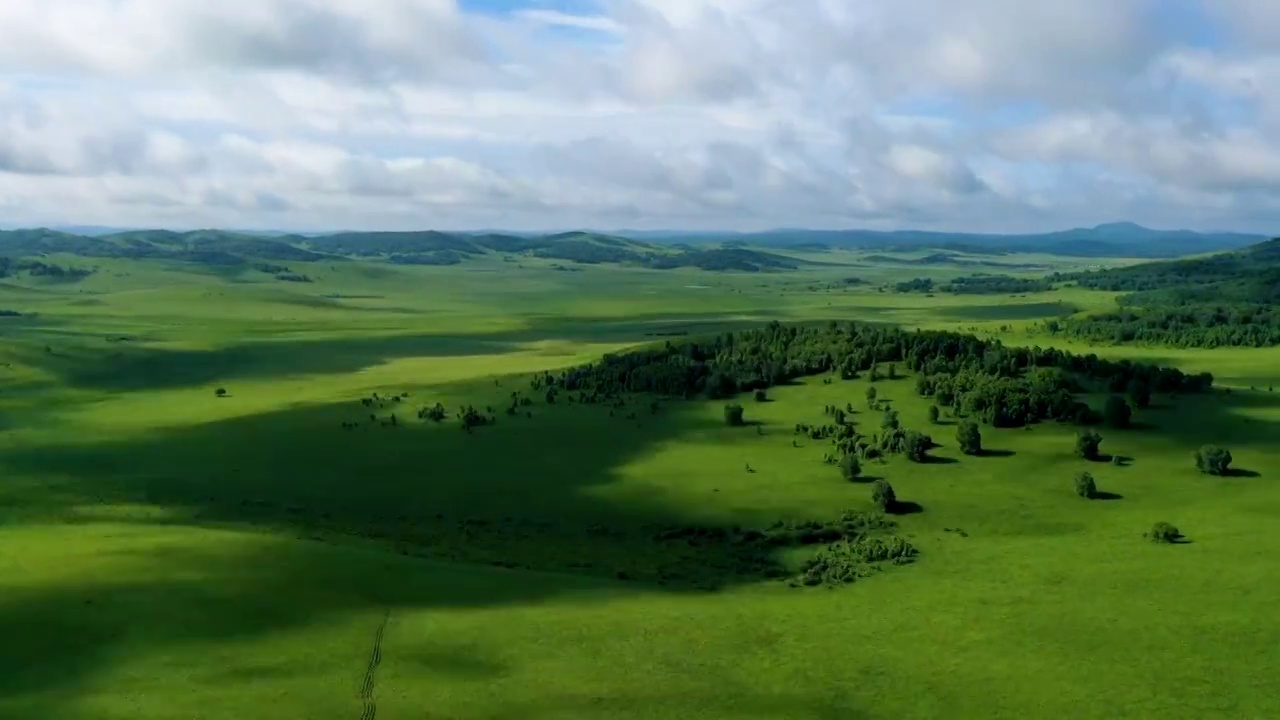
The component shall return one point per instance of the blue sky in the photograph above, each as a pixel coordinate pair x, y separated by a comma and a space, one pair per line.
991, 115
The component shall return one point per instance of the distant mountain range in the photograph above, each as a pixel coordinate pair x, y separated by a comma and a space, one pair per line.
1120, 239
751, 252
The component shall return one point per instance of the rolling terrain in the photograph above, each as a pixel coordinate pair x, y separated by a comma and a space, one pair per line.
226, 491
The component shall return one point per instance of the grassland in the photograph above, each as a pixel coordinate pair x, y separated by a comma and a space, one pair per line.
167, 553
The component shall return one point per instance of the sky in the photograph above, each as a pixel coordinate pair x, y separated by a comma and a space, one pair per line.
974, 115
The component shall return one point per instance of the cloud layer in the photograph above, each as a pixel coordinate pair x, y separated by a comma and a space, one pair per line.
728, 114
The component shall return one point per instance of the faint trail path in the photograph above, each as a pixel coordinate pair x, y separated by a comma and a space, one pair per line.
367, 698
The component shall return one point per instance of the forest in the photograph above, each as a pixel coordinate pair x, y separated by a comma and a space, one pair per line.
1217, 301
1188, 326
1004, 386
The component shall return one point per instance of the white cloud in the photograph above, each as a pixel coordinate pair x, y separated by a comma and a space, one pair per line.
988, 114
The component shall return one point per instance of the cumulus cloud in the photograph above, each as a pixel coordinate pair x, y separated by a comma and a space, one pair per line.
309, 114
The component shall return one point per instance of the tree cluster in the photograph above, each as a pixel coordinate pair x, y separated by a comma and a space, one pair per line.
1005, 385
996, 285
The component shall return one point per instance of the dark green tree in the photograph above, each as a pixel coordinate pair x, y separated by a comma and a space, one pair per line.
890, 420
1213, 460
871, 396
1087, 443
883, 496
1085, 486
220, 392
969, 438
917, 446
733, 415
933, 414
1116, 413
850, 468
761, 395
1139, 393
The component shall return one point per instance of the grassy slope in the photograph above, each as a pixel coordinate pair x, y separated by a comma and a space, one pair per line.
131, 588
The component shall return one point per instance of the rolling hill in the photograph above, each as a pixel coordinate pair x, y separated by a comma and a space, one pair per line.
1227, 299
224, 248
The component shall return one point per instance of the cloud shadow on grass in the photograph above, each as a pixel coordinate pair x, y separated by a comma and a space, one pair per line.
83, 360
411, 516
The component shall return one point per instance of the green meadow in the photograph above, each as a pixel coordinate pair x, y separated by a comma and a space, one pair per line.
284, 551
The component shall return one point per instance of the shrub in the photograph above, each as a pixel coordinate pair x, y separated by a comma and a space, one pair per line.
761, 396
848, 560
1085, 486
969, 438
1213, 460
917, 446
933, 414
733, 415
850, 468
1087, 443
882, 496
871, 396
890, 420
1117, 412
1140, 393
1163, 532
220, 392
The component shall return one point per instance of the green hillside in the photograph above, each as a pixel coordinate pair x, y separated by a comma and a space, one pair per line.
1223, 299
226, 249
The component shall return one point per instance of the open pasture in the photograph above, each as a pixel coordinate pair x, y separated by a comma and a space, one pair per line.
170, 553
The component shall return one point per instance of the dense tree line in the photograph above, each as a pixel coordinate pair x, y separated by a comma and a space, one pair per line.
977, 285
1003, 385
1200, 326
914, 285
996, 285
35, 268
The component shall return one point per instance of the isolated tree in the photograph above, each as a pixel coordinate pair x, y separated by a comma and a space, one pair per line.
220, 392
893, 371
1085, 486
1116, 413
874, 372
933, 414
850, 468
1087, 443
882, 496
969, 438
1213, 460
1163, 532
890, 420
733, 415
871, 396
551, 396
1139, 393
917, 446
761, 396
